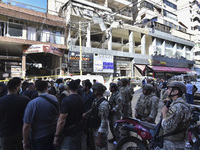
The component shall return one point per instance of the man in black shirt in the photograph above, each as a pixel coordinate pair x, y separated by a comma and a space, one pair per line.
69, 120
12, 108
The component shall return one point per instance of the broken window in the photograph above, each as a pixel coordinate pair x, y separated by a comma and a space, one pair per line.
15, 30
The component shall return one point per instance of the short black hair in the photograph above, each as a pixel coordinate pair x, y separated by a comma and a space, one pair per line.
78, 81
41, 85
73, 85
88, 83
13, 83
114, 85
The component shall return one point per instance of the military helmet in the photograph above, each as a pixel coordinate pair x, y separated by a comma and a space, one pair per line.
99, 87
177, 84
124, 80
148, 87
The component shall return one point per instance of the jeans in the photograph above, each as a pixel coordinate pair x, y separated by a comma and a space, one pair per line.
189, 98
71, 142
11, 142
44, 143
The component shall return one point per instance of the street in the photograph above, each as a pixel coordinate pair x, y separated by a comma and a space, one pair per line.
138, 92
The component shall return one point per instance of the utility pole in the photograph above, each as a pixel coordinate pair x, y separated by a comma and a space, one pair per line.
80, 42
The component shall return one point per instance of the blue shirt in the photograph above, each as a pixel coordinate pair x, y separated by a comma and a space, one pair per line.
189, 87
42, 115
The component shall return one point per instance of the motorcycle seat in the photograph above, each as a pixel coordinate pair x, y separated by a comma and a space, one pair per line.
148, 125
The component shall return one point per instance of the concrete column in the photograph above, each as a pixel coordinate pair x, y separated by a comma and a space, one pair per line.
23, 65
143, 44
106, 3
88, 43
104, 39
184, 52
131, 42
61, 69
163, 52
153, 49
191, 55
175, 51
109, 34
68, 18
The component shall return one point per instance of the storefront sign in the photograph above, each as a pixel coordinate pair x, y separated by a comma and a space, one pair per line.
103, 63
87, 62
42, 48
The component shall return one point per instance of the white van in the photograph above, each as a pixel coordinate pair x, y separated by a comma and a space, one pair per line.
98, 78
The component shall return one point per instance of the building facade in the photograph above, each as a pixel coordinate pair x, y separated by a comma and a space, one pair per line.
126, 38
32, 42
112, 38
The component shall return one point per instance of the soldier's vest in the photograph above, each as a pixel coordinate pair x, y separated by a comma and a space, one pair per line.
180, 134
95, 119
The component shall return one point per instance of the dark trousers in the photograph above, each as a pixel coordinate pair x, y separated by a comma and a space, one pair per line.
12, 142
44, 143
189, 98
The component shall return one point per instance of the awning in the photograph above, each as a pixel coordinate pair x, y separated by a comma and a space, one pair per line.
168, 69
141, 67
42, 48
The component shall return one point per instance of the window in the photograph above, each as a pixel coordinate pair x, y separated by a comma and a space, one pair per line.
147, 5
170, 15
197, 53
15, 30
170, 4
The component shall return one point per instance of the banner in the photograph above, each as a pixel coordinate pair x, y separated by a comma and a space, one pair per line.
42, 48
103, 63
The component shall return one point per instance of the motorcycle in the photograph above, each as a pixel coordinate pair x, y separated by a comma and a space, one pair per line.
148, 134
194, 129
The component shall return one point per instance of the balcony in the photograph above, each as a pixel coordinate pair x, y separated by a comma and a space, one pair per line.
19, 31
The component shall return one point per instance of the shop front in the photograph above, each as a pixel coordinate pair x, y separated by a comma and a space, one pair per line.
165, 68
123, 66
42, 60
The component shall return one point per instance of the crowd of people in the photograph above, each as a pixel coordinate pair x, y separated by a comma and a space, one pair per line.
48, 115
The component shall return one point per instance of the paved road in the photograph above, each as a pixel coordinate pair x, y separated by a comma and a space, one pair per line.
138, 91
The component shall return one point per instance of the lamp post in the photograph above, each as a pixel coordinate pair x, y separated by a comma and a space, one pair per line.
80, 42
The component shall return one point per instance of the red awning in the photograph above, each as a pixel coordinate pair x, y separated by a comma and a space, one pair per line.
169, 69
141, 67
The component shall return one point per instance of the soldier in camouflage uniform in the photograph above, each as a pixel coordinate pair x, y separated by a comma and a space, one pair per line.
146, 108
177, 118
115, 102
126, 98
98, 119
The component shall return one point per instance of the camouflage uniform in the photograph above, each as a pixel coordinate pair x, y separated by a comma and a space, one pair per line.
147, 106
177, 118
126, 100
115, 102
104, 109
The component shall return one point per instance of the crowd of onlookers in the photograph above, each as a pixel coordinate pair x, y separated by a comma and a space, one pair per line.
60, 114
72, 114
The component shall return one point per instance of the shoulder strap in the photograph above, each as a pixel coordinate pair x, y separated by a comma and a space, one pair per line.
50, 101
99, 102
